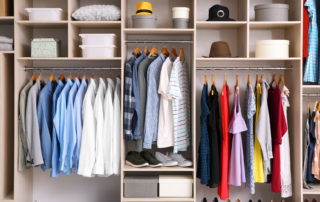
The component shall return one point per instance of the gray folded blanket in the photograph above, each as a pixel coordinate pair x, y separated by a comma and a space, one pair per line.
6, 47
4, 39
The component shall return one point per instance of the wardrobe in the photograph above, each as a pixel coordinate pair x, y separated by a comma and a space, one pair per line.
36, 185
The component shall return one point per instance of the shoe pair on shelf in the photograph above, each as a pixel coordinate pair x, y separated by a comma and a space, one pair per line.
145, 158
205, 200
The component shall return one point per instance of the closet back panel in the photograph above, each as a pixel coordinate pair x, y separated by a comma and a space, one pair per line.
7, 30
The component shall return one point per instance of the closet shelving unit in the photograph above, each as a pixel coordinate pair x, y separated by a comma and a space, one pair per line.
25, 186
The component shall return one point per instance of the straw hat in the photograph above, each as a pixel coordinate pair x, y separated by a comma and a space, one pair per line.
144, 8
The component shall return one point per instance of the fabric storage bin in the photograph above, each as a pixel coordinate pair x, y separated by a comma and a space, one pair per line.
5, 7
272, 12
47, 14
140, 186
99, 39
94, 51
45, 47
181, 23
180, 12
144, 21
272, 48
175, 186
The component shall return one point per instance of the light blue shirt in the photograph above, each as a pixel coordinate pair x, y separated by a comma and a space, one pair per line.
77, 114
44, 113
153, 102
55, 142
59, 122
70, 136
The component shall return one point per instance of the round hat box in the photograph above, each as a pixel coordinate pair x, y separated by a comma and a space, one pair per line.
144, 21
180, 12
272, 48
271, 12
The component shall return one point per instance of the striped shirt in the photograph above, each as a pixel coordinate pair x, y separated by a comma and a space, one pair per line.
179, 89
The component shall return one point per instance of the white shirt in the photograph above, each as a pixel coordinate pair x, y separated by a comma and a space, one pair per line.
165, 125
285, 168
99, 115
108, 128
88, 140
116, 129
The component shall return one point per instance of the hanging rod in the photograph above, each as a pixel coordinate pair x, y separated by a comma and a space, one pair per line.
245, 68
311, 95
68, 68
159, 42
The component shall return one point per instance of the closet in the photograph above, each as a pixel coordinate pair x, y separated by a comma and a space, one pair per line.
34, 184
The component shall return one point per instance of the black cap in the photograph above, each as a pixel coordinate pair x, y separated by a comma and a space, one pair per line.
219, 13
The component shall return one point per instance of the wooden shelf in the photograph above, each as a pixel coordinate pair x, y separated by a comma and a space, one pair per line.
69, 59
158, 199
159, 169
97, 24
7, 52
248, 59
8, 197
273, 25
315, 190
6, 20
220, 25
44, 24
159, 31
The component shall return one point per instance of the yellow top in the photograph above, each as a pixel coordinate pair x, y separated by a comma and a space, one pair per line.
258, 160
144, 8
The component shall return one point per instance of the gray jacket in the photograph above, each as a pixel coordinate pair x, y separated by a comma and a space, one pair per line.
23, 147
32, 127
263, 129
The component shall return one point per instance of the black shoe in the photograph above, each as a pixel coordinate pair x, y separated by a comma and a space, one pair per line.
135, 160
204, 199
149, 157
215, 200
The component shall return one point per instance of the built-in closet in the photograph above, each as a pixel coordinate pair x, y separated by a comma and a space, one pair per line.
36, 185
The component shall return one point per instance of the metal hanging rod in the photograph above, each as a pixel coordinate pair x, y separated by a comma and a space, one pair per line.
159, 42
245, 68
68, 68
311, 95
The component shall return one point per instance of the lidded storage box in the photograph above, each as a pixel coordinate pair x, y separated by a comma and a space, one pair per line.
99, 39
271, 12
140, 186
98, 51
272, 48
175, 186
144, 21
181, 23
45, 47
180, 12
46, 14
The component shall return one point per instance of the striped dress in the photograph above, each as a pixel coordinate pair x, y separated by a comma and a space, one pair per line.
179, 89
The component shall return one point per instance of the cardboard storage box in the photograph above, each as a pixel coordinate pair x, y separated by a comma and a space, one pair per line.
45, 47
140, 186
175, 186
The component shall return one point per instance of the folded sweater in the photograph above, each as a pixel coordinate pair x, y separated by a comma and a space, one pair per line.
6, 47
4, 39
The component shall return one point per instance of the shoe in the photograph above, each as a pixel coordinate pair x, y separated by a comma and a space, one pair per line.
228, 200
259, 200
165, 159
135, 160
314, 200
181, 160
237, 200
153, 162
204, 199
272, 200
250, 200
215, 200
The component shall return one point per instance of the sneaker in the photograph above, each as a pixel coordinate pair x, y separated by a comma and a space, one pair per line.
165, 159
135, 160
149, 157
181, 160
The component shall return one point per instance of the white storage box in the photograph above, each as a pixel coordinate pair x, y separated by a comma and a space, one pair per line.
272, 49
175, 186
96, 51
180, 12
46, 14
99, 39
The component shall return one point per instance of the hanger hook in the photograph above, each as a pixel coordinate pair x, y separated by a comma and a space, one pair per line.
237, 70
205, 70
173, 45
164, 44
153, 43
181, 43
225, 71
40, 71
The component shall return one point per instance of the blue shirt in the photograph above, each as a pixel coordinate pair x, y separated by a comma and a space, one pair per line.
203, 171
135, 90
70, 135
77, 114
153, 102
55, 142
311, 67
59, 122
44, 113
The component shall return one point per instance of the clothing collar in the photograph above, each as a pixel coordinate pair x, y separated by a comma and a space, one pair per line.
162, 56
110, 83
60, 83
102, 83
118, 81
69, 82
77, 82
93, 84
49, 86
84, 82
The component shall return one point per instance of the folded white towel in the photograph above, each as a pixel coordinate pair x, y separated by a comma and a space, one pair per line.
4, 39
6, 47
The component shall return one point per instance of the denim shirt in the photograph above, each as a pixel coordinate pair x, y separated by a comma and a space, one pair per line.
135, 90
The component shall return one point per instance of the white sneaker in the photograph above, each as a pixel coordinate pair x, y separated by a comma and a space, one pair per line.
183, 162
165, 159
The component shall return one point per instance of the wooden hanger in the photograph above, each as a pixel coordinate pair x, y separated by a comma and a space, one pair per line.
146, 49
78, 77
316, 116
249, 79
308, 109
205, 80
315, 106
212, 82
40, 78
262, 77
224, 81
274, 79
119, 76
51, 78
61, 78
137, 51
33, 78
84, 76
70, 76
237, 84
281, 80
173, 51
182, 54
153, 51
164, 51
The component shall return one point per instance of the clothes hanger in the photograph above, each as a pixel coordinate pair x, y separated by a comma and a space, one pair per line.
237, 84
164, 51
110, 74
137, 50
51, 78
212, 82
153, 51
182, 53
146, 48
40, 78
205, 77
33, 77
249, 78
70, 76
274, 79
92, 76
225, 79
101, 73
281, 80
84, 74
316, 116
78, 77
308, 109
173, 51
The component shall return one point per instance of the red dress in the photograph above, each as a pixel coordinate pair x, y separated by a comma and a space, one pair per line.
278, 129
223, 189
305, 30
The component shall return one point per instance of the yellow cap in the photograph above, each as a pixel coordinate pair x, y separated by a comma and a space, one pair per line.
144, 8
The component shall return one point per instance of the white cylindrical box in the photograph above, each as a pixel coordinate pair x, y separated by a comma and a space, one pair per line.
46, 14
96, 51
272, 48
99, 39
180, 12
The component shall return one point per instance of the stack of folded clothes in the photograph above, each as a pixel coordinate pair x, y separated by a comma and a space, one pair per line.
6, 44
